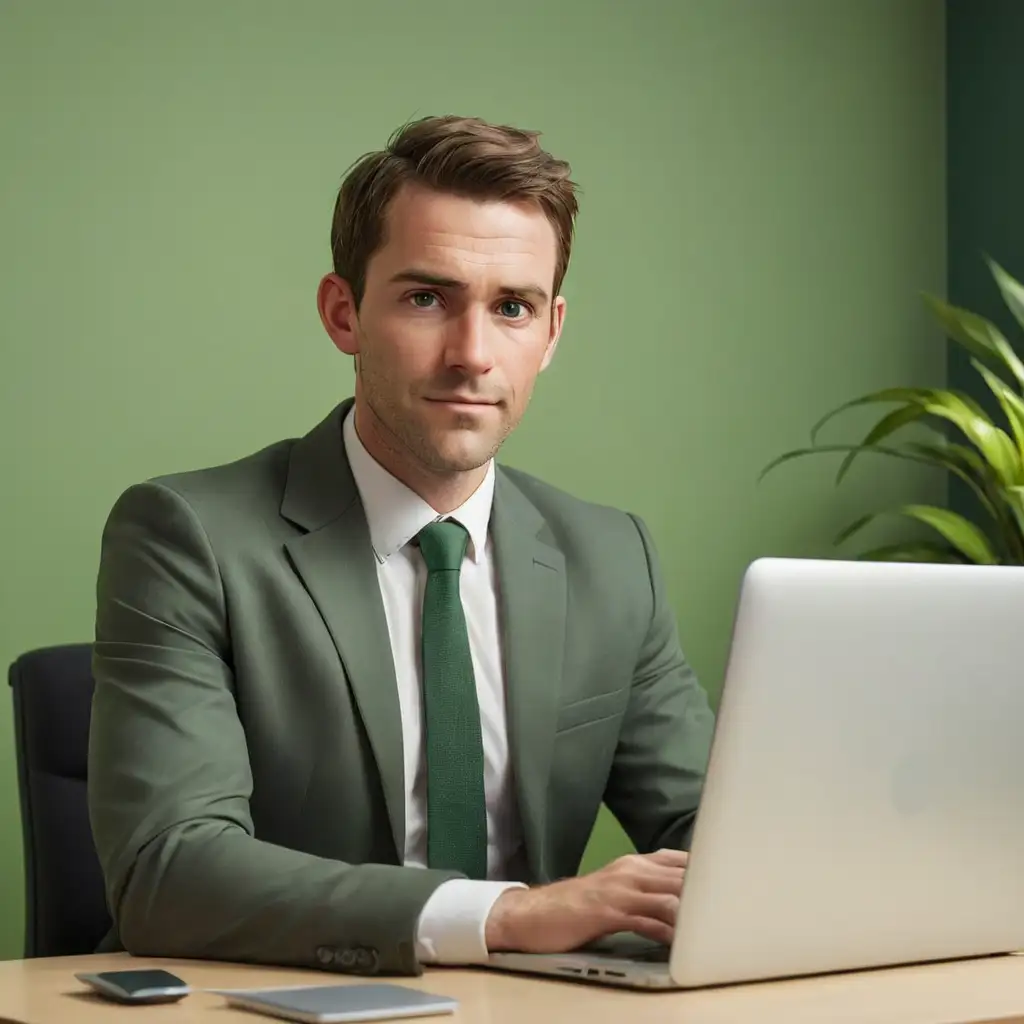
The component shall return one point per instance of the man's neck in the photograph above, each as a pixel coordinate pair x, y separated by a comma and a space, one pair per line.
442, 492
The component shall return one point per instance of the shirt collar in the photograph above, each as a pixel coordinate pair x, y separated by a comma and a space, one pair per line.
395, 514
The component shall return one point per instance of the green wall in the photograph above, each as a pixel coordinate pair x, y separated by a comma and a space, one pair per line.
763, 202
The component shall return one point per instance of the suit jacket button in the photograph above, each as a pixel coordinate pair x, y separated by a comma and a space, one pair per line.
368, 961
345, 958
325, 955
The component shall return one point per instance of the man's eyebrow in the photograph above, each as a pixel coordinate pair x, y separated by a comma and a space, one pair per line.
415, 276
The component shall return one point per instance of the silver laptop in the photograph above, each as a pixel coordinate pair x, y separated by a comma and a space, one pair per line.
864, 802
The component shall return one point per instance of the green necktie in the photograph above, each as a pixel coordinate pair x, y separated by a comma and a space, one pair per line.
456, 806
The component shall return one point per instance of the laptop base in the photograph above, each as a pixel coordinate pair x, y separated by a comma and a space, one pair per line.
595, 968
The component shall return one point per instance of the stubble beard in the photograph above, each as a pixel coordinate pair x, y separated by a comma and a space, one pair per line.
406, 435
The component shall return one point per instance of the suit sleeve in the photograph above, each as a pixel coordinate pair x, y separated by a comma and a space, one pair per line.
169, 778
658, 771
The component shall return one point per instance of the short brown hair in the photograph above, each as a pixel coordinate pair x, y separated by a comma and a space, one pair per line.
460, 155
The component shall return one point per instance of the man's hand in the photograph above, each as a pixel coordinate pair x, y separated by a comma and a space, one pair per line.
638, 893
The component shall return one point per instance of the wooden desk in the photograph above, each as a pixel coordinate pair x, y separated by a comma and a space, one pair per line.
46, 992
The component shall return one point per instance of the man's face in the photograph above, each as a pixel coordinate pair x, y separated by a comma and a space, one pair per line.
457, 320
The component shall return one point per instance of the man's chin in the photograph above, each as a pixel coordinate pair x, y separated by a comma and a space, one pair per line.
450, 455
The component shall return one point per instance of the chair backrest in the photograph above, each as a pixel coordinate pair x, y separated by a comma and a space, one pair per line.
65, 903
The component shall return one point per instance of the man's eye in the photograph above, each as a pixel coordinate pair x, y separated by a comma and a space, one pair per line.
512, 309
423, 300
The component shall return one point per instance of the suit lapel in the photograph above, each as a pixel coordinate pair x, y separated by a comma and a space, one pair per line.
532, 606
335, 561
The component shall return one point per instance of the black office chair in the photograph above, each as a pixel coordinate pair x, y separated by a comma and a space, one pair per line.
65, 904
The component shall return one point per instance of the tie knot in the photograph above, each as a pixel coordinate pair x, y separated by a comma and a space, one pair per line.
443, 545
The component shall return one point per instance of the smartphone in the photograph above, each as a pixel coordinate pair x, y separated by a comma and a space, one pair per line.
143, 986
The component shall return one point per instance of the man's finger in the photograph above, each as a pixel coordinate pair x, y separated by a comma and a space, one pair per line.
656, 931
660, 879
657, 906
670, 858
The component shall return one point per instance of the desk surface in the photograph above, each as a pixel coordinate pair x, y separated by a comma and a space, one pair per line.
45, 991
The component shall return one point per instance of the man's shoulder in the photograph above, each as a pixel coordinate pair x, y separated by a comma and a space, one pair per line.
568, 515
606, 549
256, 477
232, 500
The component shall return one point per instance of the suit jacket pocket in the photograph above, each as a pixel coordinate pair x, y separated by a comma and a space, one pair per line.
591, 709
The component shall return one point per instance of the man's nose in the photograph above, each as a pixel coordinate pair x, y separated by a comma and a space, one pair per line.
469, 345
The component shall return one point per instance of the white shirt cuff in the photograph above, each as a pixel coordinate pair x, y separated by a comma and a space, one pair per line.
451, 928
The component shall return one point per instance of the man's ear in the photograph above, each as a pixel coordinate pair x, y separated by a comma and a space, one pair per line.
336, 304
557, 322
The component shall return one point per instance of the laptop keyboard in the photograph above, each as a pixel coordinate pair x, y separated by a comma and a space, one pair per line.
656, 955
627, 946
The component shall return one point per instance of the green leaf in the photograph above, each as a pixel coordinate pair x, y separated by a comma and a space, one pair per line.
911, 552
956, 457
1011, 402
964, 463
825, 449
855, 527
1015, 502
970, 467
887, 425
959, 409
981, 338
964, 535
994, 444
1011, 289
958, 530
934, 401
905, 395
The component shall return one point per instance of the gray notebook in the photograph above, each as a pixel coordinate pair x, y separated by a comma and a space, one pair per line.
325, 1004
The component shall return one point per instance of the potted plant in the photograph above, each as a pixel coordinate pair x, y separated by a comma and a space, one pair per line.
955, 434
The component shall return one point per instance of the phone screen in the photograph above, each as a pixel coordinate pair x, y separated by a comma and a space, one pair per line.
133, 981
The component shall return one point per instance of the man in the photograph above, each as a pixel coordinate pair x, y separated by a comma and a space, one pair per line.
359, 696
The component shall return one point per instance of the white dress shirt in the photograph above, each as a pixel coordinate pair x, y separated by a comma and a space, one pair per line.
451, 926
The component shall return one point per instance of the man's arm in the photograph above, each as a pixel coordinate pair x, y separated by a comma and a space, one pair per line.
170, 780
653, 789
661, 759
